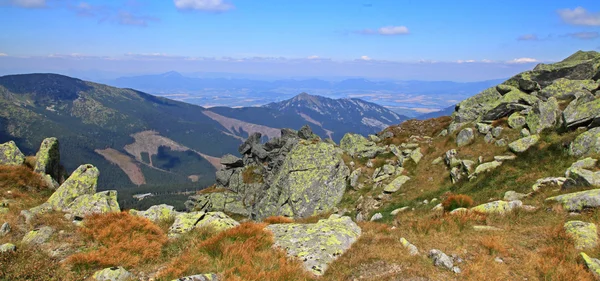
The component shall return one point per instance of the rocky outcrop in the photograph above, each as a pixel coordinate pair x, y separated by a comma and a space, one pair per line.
48, 159
317, 244
10, 154
358, 146
592, 264
543, 115
288, 176
185, 222
82, 181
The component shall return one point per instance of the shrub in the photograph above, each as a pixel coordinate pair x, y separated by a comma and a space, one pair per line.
457, 201
278, 220
119, 239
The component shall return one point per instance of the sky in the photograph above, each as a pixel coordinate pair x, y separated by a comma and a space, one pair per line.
461, 40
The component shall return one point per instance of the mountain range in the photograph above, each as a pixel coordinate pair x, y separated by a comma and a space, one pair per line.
143, 143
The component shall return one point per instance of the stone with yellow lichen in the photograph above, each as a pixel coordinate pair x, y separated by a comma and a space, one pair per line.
396, 184
10, 154
592, 264
498, 207
82, 181
578, 201
48, 158
162, 212
358, 146
185, 222
586, 143
522, 145
584, 234
112, 274
200, 277
99, 203
565, 89
317, 244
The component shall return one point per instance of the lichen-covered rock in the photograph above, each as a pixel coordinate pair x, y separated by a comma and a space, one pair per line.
4, 229
7, 247
564, 89
483, 128
516, 121
451, 158
497, 132
185, 222
229, 202
412, 249
581, 112
511, 102
586, 143
200, 277
578, 201
586, 163
584, 234
486, 167
10, 154
592, 264
522, 145
48, 158
156, 213
88, 204
513, 195
476, 106
543, 115
82, 181
311, 181
498, 207
416, 155
38, 236
465, 137
232, 161
358, 146
396, 184
376, 217
549, 181
440, 259
317, 244
581, 177
112, 274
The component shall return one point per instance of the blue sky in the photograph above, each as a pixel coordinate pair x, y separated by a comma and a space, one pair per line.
429, 40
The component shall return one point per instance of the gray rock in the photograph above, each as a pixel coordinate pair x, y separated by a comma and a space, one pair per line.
112, 274
586, 163
232, 161
223, 176
578, 201
586, 143
489, 138
503, 158
4, 229
549, 181
374, 138
465, 137
250, 142
10, 154
358, 146
416, 155
38, 236
483, 128
584, 234
501, 142
305, 132
581, 112
389, 169
100, 203
454, 127
497, 131
486, 167
451, 158
354, 178
440, 259
513, 195
7, 247
157, 213
522, 145
412, 249
200, 277
525, 133
396, 184
83, 181
376, 217
437, 161
48, 159
516, 121
543, 115
582, 177
399, 210
317, 244
185, 222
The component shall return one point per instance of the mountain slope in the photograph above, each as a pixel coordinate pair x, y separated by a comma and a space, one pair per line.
89, 118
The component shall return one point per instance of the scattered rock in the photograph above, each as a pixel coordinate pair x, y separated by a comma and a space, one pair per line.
437, 161
112, 274
38, 236
232, 161
440, 259
581, 177
358, 146
184, 222
376, 217
585, 235
4, 229
497, 131
486, 228
416, 155
412, 249
516, 121
399, 210
498, 207
7, 247
523, 144
10, 154
501, 142
200, 277
549, 181
396, 184
592, 264
512, 195
81, 182
483, 128
100, 203
157, 213
485, 167
354, 178
465, 137
317, 244
587, 143
577, 201
503, 158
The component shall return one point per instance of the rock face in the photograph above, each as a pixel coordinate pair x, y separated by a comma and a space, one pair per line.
584, 234
112, 274
358, 146
10, 154
577, 201
296, 178
185, 222
585, 144
83, 180
318, 244
48, 159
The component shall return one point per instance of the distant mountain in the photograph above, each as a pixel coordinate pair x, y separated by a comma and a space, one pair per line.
444, 112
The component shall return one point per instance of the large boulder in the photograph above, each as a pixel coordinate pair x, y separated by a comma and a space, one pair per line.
485, 167
582, 177
185, 222
48, 158
585, 144
396, 184
231, 161
10, 154
476, 106
517, 121
311, 181
543, 115
317, 244
83, 180
564, 89
498, 207
513, 101
578, 201
584, 234
465, 137
522, 145
157, 213
227, 201
581, 112
358, 146
88, 204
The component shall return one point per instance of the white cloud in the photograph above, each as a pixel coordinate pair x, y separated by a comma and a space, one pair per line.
29, 3
584, 35
579, 16
204, 5
523, 60
365, 58
3, 55
393, 30
313, 57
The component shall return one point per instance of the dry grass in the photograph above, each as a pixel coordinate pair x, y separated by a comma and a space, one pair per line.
119, 239
278, 220
241, 253
457, 201
29, 263
251, 175
20, 177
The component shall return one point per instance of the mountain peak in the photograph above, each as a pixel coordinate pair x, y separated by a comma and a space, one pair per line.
171, 74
